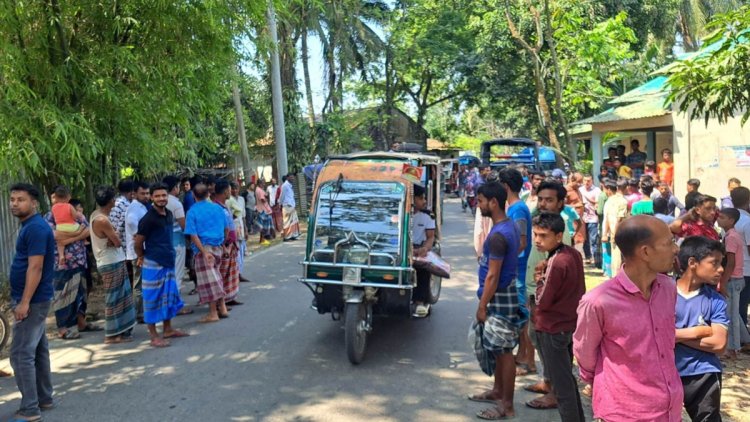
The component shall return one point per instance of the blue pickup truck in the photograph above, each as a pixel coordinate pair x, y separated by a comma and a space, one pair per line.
503, 152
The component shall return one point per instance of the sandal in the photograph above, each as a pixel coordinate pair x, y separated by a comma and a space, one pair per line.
185, 311
539, 405
19, 418
224, 316
70, 335
482, 397
493, 414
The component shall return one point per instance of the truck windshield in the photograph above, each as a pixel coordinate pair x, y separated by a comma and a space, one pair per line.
372, 210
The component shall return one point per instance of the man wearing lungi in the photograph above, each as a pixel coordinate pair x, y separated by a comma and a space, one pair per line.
207, 226
289, 210
498, 300
156, 258
228, 268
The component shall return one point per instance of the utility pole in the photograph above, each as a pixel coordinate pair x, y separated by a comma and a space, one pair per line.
279, 133
240, 118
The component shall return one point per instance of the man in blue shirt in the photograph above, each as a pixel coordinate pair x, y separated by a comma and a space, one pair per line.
498, 300
31, 277
156, 257
207, 226
701, 327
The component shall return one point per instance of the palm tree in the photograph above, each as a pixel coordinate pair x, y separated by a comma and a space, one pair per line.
693, 15
346, 31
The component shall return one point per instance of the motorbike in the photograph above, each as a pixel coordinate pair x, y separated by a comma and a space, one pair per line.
358, 258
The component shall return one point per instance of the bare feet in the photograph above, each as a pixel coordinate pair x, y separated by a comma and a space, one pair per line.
117, 340
209, 318
158, 342
488, 396
175, 334
523, 369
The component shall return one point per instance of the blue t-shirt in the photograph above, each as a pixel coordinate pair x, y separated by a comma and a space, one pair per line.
35, 238
570, 216
707, 307
519, 212
207, 221
188, 201
502, 243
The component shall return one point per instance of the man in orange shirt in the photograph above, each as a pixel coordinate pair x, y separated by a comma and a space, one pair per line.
665, 169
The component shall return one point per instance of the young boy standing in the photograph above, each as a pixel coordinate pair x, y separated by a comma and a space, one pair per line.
701, 327
732, 281
557, 295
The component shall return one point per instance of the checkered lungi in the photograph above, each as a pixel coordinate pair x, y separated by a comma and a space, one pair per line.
210, 281
230, 272
503, 317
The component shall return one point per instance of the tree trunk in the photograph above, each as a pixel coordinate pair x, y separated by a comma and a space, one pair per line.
688, 42
239, 117
308, 84
571, 149
331, 61
541, 100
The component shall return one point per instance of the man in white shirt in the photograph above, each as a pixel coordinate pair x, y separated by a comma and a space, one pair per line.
136, 210
422, 239
590, 195
178, 236
271, 190
289, 210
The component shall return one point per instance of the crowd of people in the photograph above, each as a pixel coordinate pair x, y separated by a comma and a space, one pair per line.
676, 273
144, 240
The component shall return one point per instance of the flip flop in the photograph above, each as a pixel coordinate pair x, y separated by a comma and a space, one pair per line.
177, 334
17, 419
478, 398
493, 414
185, 311
535, 404
223, 316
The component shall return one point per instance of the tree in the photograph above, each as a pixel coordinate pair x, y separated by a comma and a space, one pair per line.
715, 83
89, 87
432, 52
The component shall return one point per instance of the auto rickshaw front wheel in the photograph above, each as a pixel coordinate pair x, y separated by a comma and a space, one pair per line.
435, 287
357, 325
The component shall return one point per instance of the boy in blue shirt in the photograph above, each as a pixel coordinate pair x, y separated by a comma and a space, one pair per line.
701, 327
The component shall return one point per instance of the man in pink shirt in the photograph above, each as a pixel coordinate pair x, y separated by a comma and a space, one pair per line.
624, 338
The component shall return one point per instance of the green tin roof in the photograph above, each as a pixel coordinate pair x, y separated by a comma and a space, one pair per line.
650, 107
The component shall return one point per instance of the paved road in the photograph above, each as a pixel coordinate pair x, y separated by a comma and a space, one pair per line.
275, 359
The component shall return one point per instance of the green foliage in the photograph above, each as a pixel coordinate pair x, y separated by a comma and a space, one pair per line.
715, 83
89, 87
596, 61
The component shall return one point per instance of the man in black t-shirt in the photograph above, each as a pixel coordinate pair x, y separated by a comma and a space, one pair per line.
156, 257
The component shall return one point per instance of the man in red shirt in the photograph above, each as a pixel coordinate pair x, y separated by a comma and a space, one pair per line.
698, 221
558, 292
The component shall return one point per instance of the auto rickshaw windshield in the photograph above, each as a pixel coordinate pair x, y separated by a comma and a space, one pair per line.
372, 210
